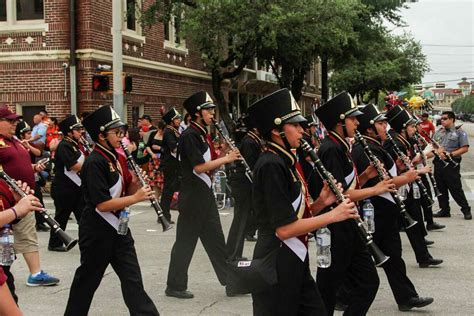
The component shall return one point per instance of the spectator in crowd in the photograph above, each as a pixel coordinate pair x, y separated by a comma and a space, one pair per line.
185, 123
39, 131
52, 132
427, 126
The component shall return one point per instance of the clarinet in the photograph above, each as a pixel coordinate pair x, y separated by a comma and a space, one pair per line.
406, 161
379, 257
436, 145
418, 137
154, 202
86, 144
409, 222
231, 144
68, 241
423, 157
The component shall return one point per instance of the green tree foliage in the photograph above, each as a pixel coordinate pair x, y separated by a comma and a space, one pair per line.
464, 104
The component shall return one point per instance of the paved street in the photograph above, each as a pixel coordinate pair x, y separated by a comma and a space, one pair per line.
451, 284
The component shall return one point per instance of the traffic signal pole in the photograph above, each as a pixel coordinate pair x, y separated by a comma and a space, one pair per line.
117, 21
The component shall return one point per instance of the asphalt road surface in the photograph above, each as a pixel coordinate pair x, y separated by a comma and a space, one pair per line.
451, 284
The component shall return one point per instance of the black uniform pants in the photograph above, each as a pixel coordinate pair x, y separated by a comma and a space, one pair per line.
350, 259
387, 237
427, 209
416, 234
296, 292
171, 178
242, 213
98, 250
449, 179
201, 223
65, 202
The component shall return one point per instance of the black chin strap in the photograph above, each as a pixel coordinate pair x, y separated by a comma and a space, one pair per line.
285, 140
344, 129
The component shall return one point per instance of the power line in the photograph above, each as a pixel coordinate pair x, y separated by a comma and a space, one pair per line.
450, 73
451, 54
446, 45
449, 80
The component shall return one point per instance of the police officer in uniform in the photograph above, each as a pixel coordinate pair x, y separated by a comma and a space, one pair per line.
454, 142
198, 215
108, 188
403, 128
350, 257
373, 128
242, 225
66, 187
169, 162
283, 210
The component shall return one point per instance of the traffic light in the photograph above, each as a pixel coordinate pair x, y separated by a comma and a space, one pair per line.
127, 83
100, 83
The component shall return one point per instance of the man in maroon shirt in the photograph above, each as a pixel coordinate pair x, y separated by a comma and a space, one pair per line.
15, 160
427, 126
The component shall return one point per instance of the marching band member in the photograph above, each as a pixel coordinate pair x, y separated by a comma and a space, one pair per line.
198, 215
108, 189
66, 187
283, 212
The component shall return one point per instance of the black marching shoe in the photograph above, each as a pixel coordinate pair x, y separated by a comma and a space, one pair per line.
435, 226
430, 262
250, 238
340, 306
442, 213
428, 242
467, 215
415, 302
57, 248
178, 294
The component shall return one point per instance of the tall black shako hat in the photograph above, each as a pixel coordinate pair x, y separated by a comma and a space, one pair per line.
69, 123
310, 121
275, 110
102, 119
249, 121
21, 127
171, 115
197, 102
398, 118
337, 109
370, 115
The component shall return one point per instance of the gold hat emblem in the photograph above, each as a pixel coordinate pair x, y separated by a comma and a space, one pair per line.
277, 121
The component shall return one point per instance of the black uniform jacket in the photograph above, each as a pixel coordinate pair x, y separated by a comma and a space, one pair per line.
67, 155
168, 147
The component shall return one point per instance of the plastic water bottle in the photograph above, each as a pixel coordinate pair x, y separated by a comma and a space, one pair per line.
323, 247
402, 192
217, 183
416, 191
123, 221
368, 212
7, 252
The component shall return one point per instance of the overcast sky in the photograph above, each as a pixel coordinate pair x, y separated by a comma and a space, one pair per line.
445, 29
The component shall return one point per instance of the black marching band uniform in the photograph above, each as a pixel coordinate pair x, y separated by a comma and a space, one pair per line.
387, 214
66, 186
350, 257
169, 162
279, 198
310, 175
105, 176
243, 224
399, 119
198, 215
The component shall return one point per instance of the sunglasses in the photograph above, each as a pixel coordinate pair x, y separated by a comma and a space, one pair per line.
444, 118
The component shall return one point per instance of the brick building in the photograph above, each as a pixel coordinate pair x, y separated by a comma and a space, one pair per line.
35, 42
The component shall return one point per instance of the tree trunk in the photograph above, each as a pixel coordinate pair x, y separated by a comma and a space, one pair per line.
324, 79
220, 100
298, 84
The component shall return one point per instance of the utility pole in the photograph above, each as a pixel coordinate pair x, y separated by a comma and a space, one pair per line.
117, 22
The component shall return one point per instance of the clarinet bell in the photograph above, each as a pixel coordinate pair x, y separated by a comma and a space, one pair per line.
68, 241
379, 257
165, 223
408, 221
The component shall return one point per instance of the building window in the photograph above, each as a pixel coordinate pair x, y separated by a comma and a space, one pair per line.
22, 15
29, 10
131, 27
172, 37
